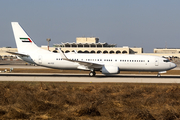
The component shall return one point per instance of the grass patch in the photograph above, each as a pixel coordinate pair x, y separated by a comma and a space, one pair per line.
97, 101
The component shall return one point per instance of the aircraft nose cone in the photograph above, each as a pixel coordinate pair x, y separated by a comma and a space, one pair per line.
173, 65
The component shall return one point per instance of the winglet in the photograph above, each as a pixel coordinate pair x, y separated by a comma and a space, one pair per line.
75, 51
63, 56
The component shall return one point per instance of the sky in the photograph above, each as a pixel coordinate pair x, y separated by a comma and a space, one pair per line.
135, 23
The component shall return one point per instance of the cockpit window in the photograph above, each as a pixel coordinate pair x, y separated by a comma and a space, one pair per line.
166, 60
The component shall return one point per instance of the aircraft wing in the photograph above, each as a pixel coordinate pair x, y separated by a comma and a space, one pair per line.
89, 64
83, 64
19, 54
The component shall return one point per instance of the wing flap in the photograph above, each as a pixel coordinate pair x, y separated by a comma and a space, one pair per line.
88, 64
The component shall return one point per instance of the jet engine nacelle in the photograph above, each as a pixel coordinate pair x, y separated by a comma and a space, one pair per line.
110, 69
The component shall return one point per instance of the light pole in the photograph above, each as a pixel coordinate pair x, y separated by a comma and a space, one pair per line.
48, 40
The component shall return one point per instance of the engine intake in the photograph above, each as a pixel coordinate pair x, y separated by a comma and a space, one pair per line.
110, 69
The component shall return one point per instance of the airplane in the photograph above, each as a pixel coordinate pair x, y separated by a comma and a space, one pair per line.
105, 63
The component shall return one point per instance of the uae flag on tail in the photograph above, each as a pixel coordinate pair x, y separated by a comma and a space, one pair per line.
25, 39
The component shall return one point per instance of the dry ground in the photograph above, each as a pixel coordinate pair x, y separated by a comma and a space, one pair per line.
90, 101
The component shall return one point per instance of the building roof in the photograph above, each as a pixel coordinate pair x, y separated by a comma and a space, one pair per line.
90, 44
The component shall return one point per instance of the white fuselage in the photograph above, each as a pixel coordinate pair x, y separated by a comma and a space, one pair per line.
123, 61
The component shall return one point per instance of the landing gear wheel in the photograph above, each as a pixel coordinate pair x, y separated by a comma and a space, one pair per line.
94, 73
158, 75
91, 74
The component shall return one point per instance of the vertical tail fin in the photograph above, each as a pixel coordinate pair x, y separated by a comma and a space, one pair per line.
23, 41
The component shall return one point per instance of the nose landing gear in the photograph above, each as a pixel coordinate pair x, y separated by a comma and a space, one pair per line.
158, 75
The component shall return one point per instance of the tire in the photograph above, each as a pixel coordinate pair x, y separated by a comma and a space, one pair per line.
158, 75
91, 74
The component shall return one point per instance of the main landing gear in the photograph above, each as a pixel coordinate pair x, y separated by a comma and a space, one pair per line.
92, 73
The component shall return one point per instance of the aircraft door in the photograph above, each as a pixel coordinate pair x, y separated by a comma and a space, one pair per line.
156, 62
40, 59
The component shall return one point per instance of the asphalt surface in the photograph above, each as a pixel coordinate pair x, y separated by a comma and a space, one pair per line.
69, 77
64, 77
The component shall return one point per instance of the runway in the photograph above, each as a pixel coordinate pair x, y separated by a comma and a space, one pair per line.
99, 78
79, 77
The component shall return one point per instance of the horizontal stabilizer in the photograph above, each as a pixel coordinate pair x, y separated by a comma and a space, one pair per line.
19, 54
